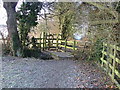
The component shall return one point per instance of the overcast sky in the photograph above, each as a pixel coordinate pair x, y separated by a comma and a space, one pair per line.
3, 15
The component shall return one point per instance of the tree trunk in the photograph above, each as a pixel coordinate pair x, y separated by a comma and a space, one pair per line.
12, 28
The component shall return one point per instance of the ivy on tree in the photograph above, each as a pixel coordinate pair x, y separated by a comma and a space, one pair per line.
27, 18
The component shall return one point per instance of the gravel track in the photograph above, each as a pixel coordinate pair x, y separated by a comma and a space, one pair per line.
36, 73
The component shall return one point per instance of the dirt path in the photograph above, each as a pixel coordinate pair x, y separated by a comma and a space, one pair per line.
35, 73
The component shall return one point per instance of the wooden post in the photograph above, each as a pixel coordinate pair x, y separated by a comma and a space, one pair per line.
40, 42
103, 54
65, 44
48, 41
114, 60
43, 40
74, 44
52, 39
109, 60
57, 41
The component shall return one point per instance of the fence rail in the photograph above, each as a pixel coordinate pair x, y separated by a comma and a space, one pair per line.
111, 63
47, 40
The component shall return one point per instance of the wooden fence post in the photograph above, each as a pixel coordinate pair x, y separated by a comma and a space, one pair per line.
109, 59
65, 44
113, 70
74, 44
103, 54
43, 40
48, 41
40, 42
52, 39
57, 42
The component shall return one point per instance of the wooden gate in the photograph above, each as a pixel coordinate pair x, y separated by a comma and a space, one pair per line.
110, 62
48, 41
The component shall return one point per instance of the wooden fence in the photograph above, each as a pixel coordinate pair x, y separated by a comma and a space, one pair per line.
111, 63
47, 41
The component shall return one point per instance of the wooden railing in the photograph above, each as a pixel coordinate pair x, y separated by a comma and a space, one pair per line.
69, 44
111, 63
49, 40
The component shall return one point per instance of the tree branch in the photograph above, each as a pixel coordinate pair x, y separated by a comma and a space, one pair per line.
103, 22
111, 11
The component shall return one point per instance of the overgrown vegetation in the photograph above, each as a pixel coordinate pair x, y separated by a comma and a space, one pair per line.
6, 47
97, 21
27, 19
97, 50
66, 17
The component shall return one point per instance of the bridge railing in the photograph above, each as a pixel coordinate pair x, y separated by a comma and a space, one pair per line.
110, 62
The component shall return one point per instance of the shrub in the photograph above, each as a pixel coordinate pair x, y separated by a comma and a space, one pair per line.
36, 53
97, 50
6, 47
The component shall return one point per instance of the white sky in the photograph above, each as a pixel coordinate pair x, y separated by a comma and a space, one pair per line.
3, 15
